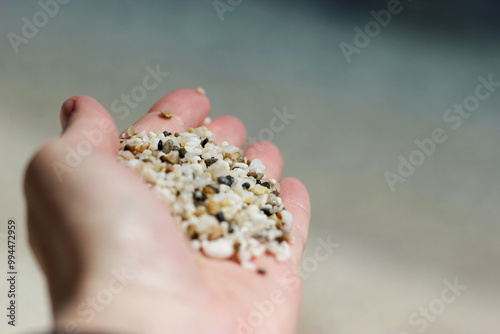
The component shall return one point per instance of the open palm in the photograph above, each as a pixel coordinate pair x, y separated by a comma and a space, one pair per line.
115, 259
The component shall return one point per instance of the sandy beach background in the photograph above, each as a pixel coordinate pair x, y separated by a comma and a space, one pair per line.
355, 119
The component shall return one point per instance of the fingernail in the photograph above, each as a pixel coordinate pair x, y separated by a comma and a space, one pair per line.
67, 109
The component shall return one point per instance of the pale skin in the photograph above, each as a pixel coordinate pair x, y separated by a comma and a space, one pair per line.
101, 217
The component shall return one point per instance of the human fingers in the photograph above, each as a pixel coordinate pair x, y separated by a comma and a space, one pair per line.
87, 125
183, 109
230, 129
270, 155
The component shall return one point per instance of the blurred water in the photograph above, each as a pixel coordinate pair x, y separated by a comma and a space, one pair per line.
352, 122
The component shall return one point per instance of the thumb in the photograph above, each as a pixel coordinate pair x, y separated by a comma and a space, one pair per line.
87, 125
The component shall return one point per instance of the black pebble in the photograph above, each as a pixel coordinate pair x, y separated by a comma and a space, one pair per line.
175, 148
166, 133
210, 161
258, 181
222, 180
266, 184
127, 148
246, 185
160, 145
261, 271
220, 217
204, 142
182, 152
267, 211
230, 230
227, 180
199, 196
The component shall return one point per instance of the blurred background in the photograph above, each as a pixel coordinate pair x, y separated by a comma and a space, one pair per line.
361, 92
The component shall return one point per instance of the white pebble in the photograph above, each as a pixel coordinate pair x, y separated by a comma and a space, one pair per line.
257, 166
220, 168
286, 217
220, 248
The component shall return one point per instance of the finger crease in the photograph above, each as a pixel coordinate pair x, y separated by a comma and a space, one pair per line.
306, 210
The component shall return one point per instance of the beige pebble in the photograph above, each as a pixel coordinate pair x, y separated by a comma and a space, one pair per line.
213, 207
225, 202
166, 114
131, 131
216, 233
200, 91
259, 190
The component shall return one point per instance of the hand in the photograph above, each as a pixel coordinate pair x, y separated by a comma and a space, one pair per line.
114, 258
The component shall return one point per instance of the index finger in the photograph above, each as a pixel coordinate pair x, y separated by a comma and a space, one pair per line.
188, 109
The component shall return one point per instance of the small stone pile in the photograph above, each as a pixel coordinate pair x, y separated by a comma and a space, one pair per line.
223, 201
